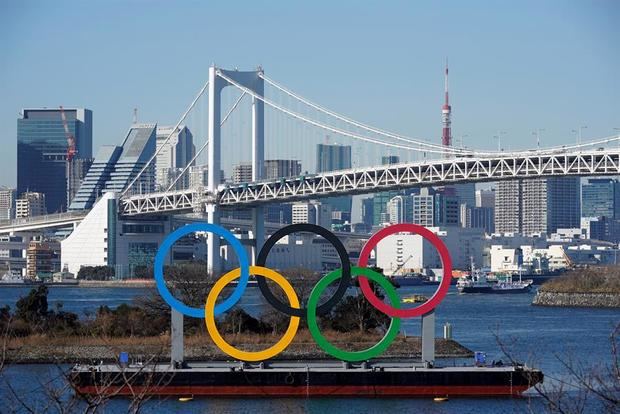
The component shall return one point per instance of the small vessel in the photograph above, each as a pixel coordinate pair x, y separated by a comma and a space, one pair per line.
410, 279
479, 282
415, 299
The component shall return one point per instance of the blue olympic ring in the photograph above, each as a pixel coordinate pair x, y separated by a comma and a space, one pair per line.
167, 245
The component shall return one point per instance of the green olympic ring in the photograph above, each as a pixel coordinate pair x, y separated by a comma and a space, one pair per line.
324, 344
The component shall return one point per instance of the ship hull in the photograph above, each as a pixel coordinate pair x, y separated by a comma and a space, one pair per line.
493, 291
312, 382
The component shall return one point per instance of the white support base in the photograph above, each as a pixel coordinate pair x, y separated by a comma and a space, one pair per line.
428, 338
177, 354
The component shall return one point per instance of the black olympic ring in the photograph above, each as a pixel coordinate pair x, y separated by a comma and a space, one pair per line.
345, 280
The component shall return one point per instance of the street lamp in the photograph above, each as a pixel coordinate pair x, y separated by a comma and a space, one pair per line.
461, 140
537, 133
578, 133
498, 137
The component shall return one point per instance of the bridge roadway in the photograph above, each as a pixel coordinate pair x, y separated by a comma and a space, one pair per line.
527, 165
72, 219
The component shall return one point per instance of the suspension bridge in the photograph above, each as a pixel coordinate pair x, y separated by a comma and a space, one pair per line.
105, 234
431, 164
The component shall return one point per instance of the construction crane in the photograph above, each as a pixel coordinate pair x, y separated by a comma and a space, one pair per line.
401, 266
71, 151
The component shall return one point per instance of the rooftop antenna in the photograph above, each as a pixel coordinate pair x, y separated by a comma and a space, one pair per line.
135, 116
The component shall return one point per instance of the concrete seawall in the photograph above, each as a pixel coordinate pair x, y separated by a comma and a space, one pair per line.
593, 300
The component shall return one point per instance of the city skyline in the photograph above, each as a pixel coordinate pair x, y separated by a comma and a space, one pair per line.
518, 91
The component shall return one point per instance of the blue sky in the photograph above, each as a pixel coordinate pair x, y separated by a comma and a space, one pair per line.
514, 66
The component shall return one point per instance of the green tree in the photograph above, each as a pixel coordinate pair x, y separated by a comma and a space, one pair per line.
33, 308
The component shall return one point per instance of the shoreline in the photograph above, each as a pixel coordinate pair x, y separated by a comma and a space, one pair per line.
577, 299
126, 283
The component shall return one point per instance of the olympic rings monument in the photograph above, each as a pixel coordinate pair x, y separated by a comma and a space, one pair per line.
421, 379
253, 81
294, 309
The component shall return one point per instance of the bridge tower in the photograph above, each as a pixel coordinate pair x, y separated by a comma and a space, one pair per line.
253, 81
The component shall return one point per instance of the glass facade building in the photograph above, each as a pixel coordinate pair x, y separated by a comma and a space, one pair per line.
42, 151
333, 157
601, 198
114, 167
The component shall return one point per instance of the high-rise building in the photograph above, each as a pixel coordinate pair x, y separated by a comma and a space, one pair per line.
485, 198
279, 213
138, 148
333, 157
242, 173
282, 168
199, 175
98, 175
42, 151
446, 210
424, 208
433, 208
400, 209
379, 206
601, 228
600, 197
7, 203
115, 167
466, 193
479, 218
508, 212
390, 159
380, 200
173, 156
539, 205
313, 213
30, 204
367, 211
550, 203
77, 174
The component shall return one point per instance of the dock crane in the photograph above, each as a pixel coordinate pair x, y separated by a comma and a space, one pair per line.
402, 265
71, 152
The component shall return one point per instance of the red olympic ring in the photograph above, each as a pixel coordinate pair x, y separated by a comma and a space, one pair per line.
444, 286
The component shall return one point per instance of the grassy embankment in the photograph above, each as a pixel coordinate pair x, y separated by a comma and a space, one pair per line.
600, 279
46, 349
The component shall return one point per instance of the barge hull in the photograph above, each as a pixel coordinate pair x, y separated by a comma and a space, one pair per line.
305, 379
313, 391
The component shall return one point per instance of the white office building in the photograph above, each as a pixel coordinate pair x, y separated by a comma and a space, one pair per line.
7, 203
409, 252
313, 213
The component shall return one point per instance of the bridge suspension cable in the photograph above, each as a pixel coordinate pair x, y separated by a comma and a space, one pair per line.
230, 111
191, 106
369, 128
326, 127
422, 143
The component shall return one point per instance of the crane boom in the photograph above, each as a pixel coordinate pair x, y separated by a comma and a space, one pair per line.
402, 265
71, 151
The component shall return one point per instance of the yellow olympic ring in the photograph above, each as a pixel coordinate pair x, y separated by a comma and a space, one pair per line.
246, 355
